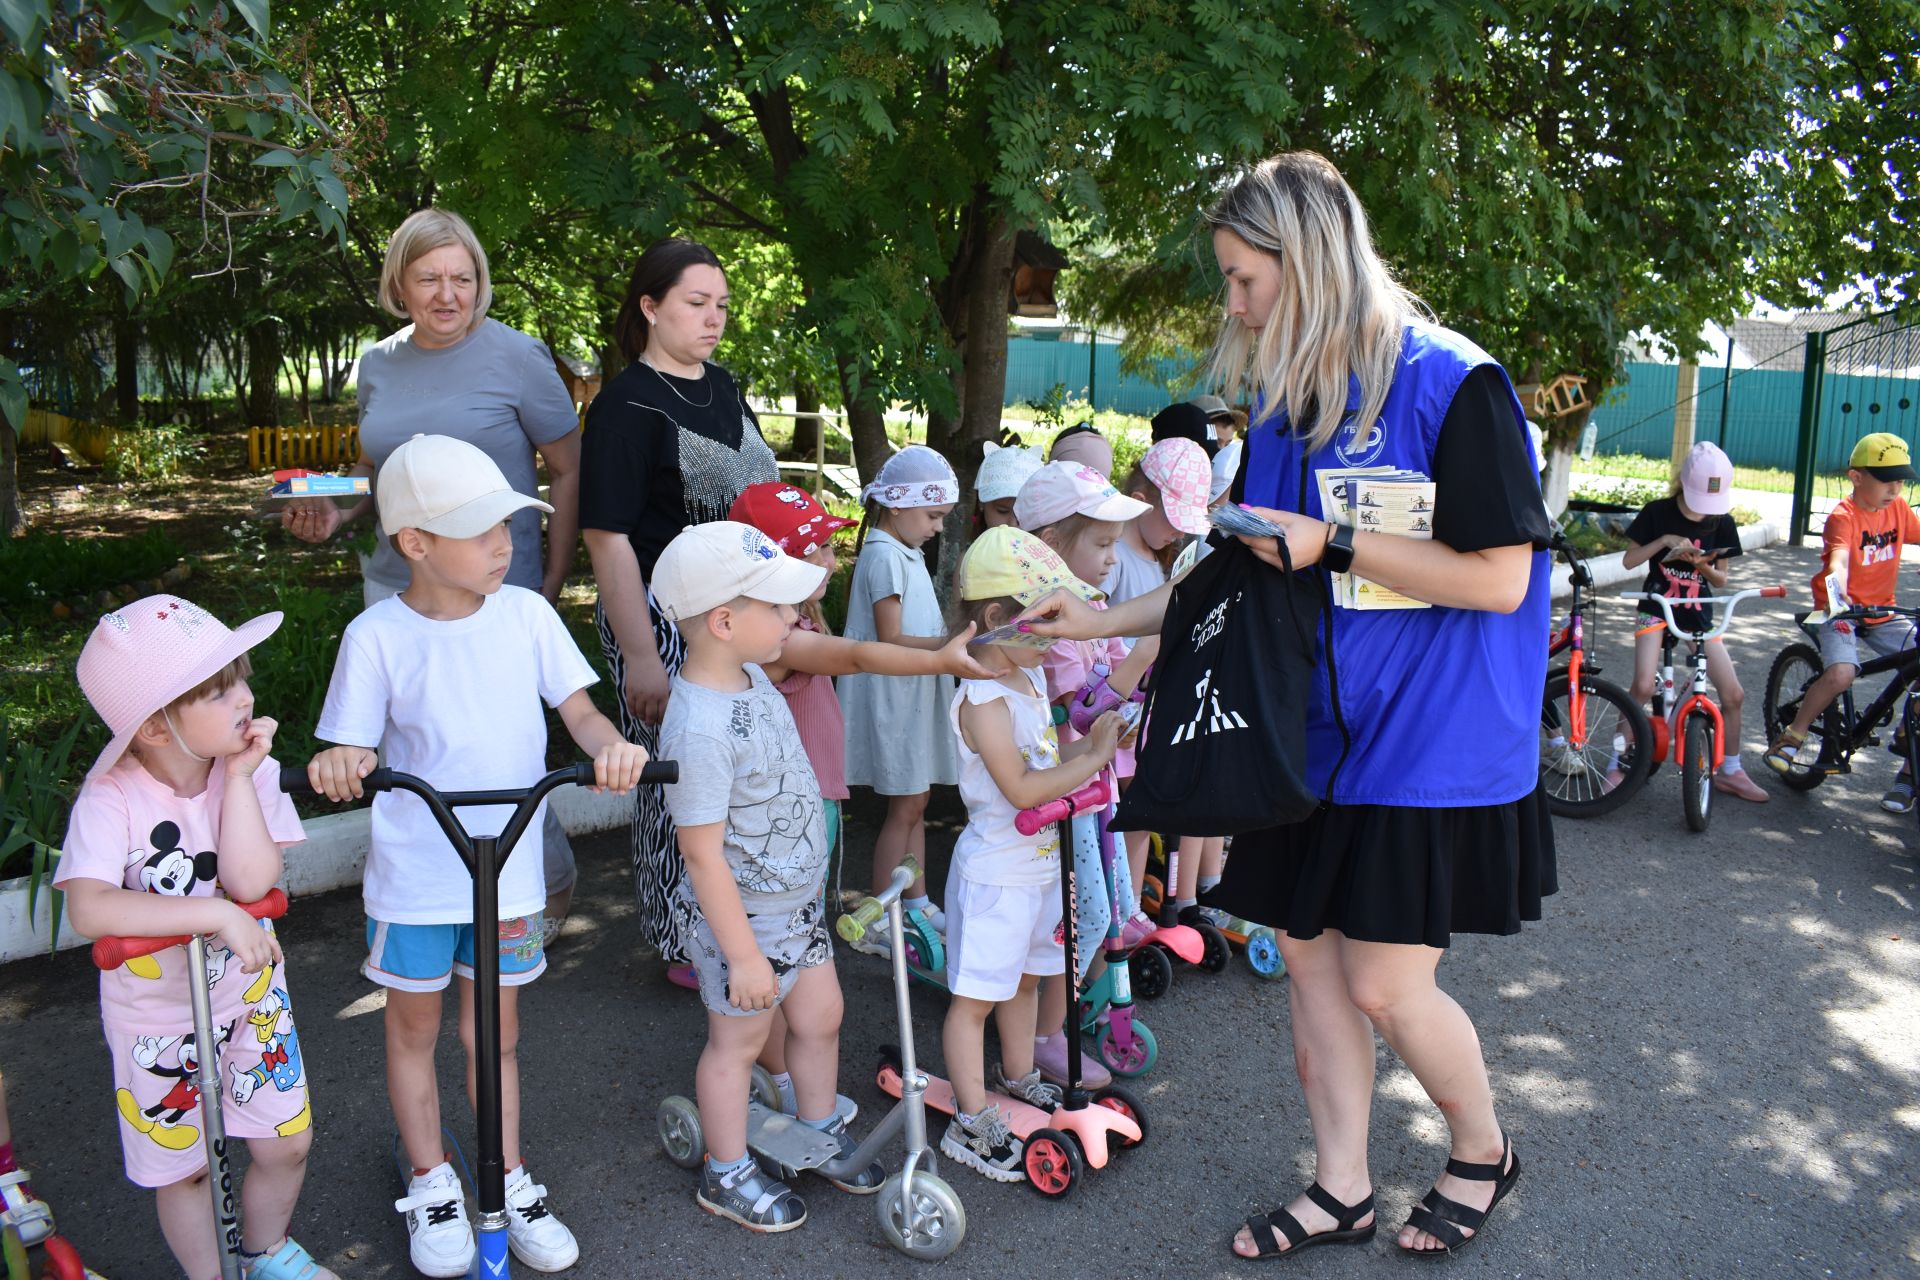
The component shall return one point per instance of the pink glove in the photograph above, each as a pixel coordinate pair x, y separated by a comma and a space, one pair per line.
1093, 701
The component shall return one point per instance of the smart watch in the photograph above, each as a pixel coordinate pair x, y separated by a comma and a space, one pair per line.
1338, 553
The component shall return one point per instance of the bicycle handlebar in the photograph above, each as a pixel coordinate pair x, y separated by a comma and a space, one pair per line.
112, 952
1872, 612
1091, 796
293, 781
1729, 603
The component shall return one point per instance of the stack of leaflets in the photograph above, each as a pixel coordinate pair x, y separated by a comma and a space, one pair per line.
342, 491
1376, 500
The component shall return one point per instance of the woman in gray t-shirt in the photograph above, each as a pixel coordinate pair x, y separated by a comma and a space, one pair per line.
453, 372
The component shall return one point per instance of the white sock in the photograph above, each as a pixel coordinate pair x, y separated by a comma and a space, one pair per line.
920, 903
788, 1103
1732, 765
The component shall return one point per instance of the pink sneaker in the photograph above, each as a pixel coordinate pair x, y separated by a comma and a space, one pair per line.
1050, 1055
1136, 930
682, 975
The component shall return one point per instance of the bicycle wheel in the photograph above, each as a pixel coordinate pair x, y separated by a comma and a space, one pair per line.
1696, 772
1602, 771
1794, 668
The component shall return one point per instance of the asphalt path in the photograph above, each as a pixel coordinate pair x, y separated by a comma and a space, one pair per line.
1707, 1054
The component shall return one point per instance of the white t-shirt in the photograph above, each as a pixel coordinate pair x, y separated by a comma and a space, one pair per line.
991, 850
456, 704
129, 830
1132, 575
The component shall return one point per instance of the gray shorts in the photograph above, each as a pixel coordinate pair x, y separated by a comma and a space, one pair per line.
1840, 641
790, 940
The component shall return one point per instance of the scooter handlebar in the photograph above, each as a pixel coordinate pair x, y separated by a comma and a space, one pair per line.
294, 782
111, 953
853, 924
1092, 796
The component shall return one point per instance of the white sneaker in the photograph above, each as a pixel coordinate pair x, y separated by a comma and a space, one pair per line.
536, 1237
439, 1237
875, 942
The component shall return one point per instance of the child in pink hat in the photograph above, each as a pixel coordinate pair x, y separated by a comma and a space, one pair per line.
180, 818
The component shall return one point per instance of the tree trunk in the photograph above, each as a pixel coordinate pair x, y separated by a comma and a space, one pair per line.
262, 406
11, 521
126, 369
866, 421
806, 431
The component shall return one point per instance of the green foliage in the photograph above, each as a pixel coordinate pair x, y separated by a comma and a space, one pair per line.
293, 667
153, 453
1625, 492
35, 783
39, 567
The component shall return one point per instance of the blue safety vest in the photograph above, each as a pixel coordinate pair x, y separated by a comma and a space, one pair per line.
1430, 707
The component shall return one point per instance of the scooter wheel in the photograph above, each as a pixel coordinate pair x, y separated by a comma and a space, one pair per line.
1150, 972
1263, 954
932, 1222
1114, 1098
1215, 953
680, 1133
1053, 1163
765, 1091
1137, 1059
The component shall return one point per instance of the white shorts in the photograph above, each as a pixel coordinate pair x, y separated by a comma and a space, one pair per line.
997, 932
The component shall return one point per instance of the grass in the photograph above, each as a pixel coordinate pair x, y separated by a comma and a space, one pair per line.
1636, 466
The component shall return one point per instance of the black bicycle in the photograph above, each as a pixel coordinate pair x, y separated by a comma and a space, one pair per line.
1841, 729
1594, 738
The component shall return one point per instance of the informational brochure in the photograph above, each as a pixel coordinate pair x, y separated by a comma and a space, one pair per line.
1377, 500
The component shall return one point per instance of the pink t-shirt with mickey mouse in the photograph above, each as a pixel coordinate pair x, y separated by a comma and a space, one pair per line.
130, 830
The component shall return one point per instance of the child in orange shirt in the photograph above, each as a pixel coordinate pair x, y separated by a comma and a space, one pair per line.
1863, 539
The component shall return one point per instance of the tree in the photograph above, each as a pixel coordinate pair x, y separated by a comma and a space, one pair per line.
117, 113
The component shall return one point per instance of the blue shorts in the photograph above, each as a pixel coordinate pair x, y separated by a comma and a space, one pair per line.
424, 957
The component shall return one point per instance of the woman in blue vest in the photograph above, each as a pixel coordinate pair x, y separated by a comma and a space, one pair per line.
1422, 731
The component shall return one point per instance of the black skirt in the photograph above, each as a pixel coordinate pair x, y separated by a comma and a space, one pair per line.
1386, 873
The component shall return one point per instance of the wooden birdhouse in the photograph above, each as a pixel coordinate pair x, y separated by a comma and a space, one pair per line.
1035, 264
1563, 395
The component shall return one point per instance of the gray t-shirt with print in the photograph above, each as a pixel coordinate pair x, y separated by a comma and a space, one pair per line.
741, 762
497, 389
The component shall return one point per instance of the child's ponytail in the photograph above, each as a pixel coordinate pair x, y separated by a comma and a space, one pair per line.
869, 513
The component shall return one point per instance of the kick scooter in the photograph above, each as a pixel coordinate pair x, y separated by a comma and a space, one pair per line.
485, 857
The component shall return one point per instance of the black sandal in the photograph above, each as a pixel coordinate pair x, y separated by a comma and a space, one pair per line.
1298, 1237
1449, 1220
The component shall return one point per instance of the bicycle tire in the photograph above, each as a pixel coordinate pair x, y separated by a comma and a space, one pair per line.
1696, 772
1611, 714
1794, 668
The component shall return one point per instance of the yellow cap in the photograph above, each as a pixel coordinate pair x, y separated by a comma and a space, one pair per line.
1883, 456
1004, 562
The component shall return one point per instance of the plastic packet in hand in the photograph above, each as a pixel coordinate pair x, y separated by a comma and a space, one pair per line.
1013, 636
1238, 520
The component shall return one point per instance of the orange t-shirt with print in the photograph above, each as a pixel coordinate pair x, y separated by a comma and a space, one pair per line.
1873, 540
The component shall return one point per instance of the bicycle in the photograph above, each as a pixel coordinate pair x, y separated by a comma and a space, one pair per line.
1693, 731
1592, 733
1839, 731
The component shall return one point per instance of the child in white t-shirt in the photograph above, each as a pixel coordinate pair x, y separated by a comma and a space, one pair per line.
450, 674
180, 818
1003, 888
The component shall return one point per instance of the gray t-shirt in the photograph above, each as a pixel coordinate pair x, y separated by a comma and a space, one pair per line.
497, 389
741, 762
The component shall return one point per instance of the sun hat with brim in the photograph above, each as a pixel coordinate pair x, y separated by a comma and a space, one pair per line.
1884, 456
445, 487
1062, 489
1213, 406
1005, 562
707, 565
144, 655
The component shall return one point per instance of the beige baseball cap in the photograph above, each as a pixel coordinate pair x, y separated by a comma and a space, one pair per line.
707, 565
445, 486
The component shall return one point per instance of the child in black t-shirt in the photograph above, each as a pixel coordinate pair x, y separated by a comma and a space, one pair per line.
1686, 540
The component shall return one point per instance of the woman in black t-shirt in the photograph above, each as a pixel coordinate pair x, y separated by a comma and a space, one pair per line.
1686, 540
670, 442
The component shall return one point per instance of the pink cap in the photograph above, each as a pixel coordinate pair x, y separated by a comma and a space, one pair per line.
150, 652
1706, 480
1180, 470
1085, 445
1062, 489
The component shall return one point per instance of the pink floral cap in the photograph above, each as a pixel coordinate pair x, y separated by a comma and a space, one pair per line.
143, 656
1180, 470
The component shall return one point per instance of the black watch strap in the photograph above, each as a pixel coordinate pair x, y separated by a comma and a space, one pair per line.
1338, 556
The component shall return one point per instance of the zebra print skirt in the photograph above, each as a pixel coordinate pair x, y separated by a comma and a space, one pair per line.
657, 868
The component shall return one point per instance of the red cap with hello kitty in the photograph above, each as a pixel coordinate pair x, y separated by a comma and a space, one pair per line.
144, 655
790, 516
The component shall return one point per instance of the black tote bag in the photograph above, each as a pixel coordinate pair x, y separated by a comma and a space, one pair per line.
1224, 745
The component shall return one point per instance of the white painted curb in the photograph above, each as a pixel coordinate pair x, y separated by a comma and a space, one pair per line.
332, 857
1609, 572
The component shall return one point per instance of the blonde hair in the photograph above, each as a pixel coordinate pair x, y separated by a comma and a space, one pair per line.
1339, 311
423, 232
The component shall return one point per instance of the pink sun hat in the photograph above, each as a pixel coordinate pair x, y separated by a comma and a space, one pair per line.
1180, 470
144, 655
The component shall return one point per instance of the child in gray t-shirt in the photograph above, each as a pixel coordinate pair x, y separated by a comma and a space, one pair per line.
753, 833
